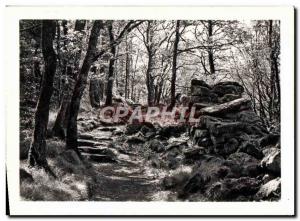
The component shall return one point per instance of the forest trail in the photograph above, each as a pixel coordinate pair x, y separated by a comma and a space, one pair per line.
128, 179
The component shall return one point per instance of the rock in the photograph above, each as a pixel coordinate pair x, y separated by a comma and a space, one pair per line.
148, 132
111, 129
228, 87
172, 130
270, 191
201, 105
201, 91
155, 162
242, 164
25, 176
248, 116
132, 128
229, 147
194, 184
270, 139
220, 109
193, 154
231, 189
199, 134
211, 98
196, 83
70, 156
251, 149
173, 162
267, 177
168, 183
156, 146
97, 150
100, 158
210, 170
135, 139
271, 160
228, 97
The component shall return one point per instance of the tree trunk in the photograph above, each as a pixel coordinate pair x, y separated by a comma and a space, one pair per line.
127, 70
60, 124
37, 152
149, 79
210, 50
80, 86
79, 25
94, 92
174, 65
272, 74
110, 82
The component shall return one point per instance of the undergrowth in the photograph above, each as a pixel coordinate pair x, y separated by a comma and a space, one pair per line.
73, 182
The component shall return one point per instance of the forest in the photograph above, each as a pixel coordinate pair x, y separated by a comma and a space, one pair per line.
149, 110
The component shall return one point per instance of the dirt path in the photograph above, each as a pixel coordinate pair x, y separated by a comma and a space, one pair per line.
126, 180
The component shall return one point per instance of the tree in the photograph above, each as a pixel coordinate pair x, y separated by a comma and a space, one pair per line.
174, 64
80, 85
114, 41
37, 152
110, 81
68, 75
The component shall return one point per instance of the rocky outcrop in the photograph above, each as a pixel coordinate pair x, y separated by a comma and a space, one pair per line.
269, 191
233, 155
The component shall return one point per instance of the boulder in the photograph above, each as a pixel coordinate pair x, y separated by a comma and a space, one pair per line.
251, 149
228, 97
271, 160
172, 130
269, 139
270, 191
211, 98
155, 145
232, 189
196, 83
211, 169
227, 87
193, 154
201, 91
229, 147
232, 106
132, 128
70, 156
135, 139
242, 164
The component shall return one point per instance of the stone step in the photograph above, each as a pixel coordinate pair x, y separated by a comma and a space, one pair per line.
100, 158
107, 129
89, 143
86, 136
104, 138
97, 150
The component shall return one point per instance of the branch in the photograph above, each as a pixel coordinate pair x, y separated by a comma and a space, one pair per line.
128, 28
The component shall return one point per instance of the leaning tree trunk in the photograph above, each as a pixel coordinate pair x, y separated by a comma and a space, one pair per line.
60, 123
37, 152
174, 65
80, 85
